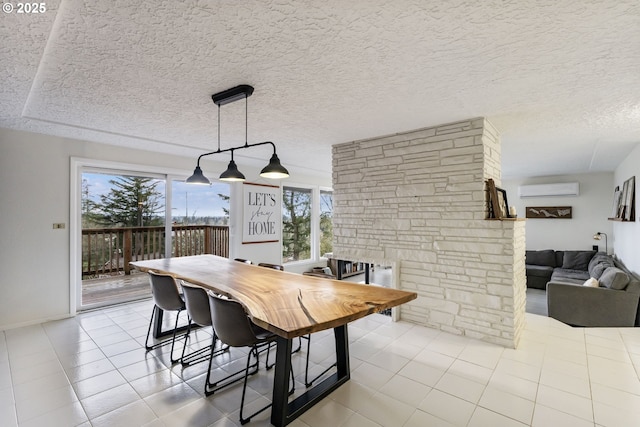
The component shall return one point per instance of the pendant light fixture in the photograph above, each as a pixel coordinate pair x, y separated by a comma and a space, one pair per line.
274, 170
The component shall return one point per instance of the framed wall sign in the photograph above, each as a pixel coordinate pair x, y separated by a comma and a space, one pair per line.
262, 213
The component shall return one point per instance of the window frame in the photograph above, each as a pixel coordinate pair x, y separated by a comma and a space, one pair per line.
319, 232
315, 256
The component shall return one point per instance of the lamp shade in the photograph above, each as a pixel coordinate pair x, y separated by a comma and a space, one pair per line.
198, 177
274, 169
232, 173
598, 236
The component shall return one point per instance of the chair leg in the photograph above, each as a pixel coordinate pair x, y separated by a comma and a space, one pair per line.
306, 368
204, 353
267, 366
207, 382
292, 351
146, 342
211, 388
171, 340
243, 421
299, 346
308, 383
186, 338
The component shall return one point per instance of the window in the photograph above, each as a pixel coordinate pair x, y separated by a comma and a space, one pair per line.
296, 224
326, 222
199, 204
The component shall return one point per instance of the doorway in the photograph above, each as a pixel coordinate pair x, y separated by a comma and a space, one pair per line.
123, 220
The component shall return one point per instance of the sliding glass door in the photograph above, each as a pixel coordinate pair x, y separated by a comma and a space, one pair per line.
128, 216
123, 220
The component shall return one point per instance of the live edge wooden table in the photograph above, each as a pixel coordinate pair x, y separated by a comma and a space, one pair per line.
289, 305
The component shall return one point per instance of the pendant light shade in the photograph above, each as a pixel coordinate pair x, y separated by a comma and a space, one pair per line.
198, 177
232, 173
274, 170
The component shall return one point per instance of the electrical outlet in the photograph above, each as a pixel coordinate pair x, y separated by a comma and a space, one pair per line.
58, 225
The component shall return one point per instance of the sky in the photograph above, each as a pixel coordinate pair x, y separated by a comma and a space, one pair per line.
198, 200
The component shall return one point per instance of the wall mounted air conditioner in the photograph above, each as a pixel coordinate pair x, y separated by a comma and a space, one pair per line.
545, 190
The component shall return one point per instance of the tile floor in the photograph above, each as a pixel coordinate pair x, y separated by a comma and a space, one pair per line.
92, 370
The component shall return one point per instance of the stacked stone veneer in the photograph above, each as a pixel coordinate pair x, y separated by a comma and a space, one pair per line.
417, 201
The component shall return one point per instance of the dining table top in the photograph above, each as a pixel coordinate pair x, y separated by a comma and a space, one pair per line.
287, 304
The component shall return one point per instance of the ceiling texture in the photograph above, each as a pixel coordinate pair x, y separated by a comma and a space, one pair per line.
560, 79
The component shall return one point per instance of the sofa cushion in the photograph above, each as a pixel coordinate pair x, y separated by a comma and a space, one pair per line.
598, 264
559, 257
545, 257
565, 275
539, 271
614, 278
577, 260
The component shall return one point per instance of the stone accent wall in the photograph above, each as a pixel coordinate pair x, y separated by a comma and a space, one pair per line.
417, 200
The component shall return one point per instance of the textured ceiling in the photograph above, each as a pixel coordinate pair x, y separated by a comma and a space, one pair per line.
559, 79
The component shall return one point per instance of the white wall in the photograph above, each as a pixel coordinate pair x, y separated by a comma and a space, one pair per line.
590, 212
627, 234
34, 194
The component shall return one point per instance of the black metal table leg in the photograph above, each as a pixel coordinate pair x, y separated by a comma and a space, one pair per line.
280, 408
283, 412
157, 325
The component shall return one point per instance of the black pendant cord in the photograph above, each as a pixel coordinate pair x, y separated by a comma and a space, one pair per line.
218, 128
246, 121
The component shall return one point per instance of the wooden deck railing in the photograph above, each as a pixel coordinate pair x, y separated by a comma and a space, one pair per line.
109, 250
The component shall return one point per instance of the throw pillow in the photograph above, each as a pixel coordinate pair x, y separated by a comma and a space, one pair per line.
598, 264
592, 283
544, 257
577, 260
614, 278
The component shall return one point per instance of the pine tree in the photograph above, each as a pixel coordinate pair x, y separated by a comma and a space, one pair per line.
296, 224
132, 202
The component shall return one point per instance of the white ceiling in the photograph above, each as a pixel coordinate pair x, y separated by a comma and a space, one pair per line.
560, 79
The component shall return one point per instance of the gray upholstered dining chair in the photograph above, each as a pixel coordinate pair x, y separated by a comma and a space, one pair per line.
234, 328
166, 297
197, 304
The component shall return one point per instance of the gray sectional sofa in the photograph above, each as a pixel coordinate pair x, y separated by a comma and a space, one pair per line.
613, 303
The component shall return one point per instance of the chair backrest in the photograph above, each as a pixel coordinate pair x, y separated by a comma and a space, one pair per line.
165, 291
246, 261
274, 266
197, 302
230, 322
